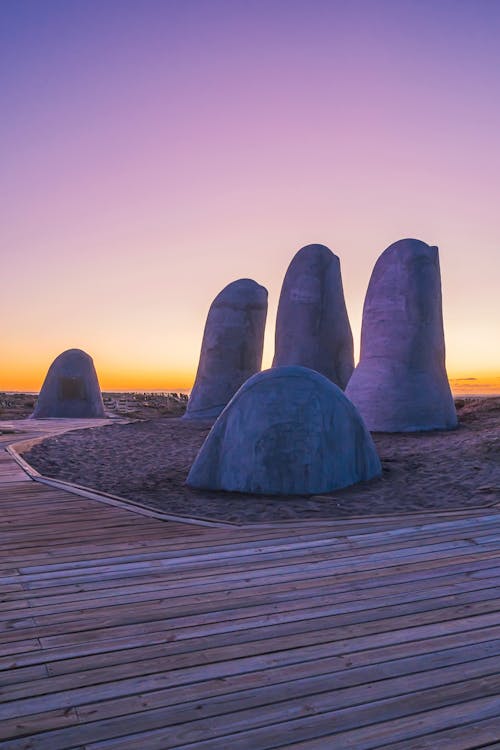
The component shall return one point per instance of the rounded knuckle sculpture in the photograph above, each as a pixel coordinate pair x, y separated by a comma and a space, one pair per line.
287, 431
312, 325
70, 389
400, 383
231, 349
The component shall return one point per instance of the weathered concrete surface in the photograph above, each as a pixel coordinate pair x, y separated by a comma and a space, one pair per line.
287, 431
400, 383
71, 388
312, 325
231, 350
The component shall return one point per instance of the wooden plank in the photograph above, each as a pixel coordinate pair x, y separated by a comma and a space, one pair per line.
355, 651
480, 734
320, 715
355, 637
26, 726
290, 596
165, 549
93, 675
66, 681
35, 672
358, 668
470, 731
261, 704
479, 568
169, 550
225, 611
258, 574
337, 559
259, 567
186, 627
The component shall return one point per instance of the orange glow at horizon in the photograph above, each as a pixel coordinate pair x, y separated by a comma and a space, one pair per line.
30, 378
126, 359
109, 380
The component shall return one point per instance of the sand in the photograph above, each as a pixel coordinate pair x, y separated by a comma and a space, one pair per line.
148, 461
14, 406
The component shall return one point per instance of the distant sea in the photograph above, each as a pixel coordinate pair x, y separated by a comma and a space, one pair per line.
475, 386
122, 390
160, 391
459, 387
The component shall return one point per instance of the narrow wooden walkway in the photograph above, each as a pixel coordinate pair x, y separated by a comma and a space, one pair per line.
121, 631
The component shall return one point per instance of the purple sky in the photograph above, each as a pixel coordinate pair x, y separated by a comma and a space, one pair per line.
153, 151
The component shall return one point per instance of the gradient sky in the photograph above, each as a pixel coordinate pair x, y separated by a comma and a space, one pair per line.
153, 151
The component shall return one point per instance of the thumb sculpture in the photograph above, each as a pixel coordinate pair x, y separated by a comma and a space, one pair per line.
400, 383
287, 431
312, 325
71, 388
231, 349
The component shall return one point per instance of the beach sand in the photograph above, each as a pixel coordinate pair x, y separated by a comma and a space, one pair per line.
148, 461
130, 405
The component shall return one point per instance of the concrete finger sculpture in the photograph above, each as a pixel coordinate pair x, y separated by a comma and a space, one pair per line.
287, 431
312, 325
400, 383
71, 388
231, 349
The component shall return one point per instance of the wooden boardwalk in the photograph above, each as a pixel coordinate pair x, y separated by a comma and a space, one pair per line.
122, 631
